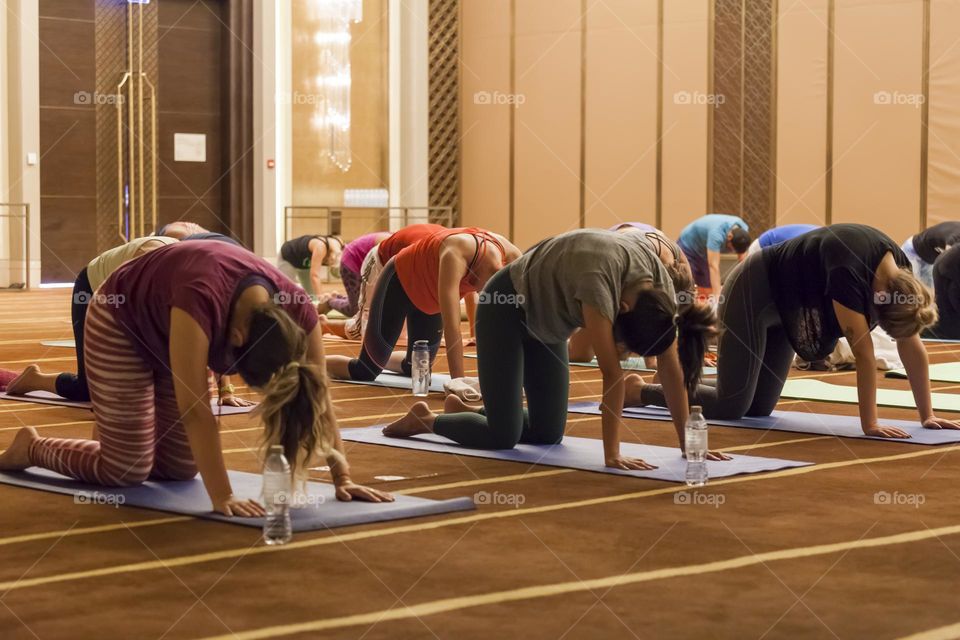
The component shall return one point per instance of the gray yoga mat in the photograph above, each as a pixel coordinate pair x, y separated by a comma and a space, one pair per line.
796, 422
321, 509
396, 381
585, 454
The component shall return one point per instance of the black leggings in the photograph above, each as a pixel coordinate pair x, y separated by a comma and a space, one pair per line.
73, 386
389, 308
948, 304
510, 361
754, 352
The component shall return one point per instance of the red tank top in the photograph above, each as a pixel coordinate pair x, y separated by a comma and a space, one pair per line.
403, 239
418, 266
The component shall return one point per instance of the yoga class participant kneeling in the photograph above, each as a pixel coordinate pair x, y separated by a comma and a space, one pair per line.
152, 331
423, 285
73, 386
607, 283
672, 258
802, 296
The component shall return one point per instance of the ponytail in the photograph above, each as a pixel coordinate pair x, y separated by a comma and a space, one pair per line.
296, 409
297, 415
656, 321
695, 326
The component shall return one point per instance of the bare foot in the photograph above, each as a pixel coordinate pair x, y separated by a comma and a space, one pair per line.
418, 420
25, 382
16, 458
454, 404
633, 384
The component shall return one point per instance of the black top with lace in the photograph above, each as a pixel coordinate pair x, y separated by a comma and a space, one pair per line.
808, 273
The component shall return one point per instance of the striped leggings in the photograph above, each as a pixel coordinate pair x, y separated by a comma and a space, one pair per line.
139, 431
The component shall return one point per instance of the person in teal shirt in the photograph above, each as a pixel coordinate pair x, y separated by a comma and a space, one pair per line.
704, 239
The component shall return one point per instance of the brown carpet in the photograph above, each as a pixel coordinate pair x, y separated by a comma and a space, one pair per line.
585, 556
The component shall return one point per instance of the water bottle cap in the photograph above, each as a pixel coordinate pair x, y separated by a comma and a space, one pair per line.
696, 409
276, 448
421, 343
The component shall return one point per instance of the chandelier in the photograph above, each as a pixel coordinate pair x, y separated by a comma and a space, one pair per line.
332, 21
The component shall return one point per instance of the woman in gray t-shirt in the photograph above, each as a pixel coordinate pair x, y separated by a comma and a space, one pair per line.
613, 287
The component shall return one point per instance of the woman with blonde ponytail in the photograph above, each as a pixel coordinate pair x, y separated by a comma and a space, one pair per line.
615, 289
801, 297
156, 326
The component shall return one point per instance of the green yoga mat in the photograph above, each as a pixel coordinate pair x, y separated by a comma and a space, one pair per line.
819, 391
943, 372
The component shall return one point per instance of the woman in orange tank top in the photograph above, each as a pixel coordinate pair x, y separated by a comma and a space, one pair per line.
423, 285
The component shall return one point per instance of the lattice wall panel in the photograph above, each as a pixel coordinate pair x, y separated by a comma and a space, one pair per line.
759, 158
727, 115
444, 117
743, 148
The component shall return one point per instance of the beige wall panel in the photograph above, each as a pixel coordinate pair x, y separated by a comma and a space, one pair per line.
877, 116
548, 123
485, 128
944, 165
802, 112
685, 74
621, 112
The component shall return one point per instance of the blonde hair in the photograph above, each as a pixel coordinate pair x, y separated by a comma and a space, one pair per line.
907, 307
296, 410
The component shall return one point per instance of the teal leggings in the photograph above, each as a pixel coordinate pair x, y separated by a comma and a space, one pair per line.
511, 362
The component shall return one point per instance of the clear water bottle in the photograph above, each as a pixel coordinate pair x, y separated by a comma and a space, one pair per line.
277, 528
420, 368
695, 444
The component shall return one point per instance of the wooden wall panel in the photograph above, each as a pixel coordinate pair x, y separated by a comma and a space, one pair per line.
547, 188
485, 127
943, 191
877, 83
621, 112
67, 138
802, 112
686, 71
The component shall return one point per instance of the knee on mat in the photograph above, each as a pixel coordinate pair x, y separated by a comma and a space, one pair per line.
361, 373
179, 473
124, 478
504, 441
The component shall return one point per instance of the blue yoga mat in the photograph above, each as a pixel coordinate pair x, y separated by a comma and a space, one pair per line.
797, 422
323, 510
585, 454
